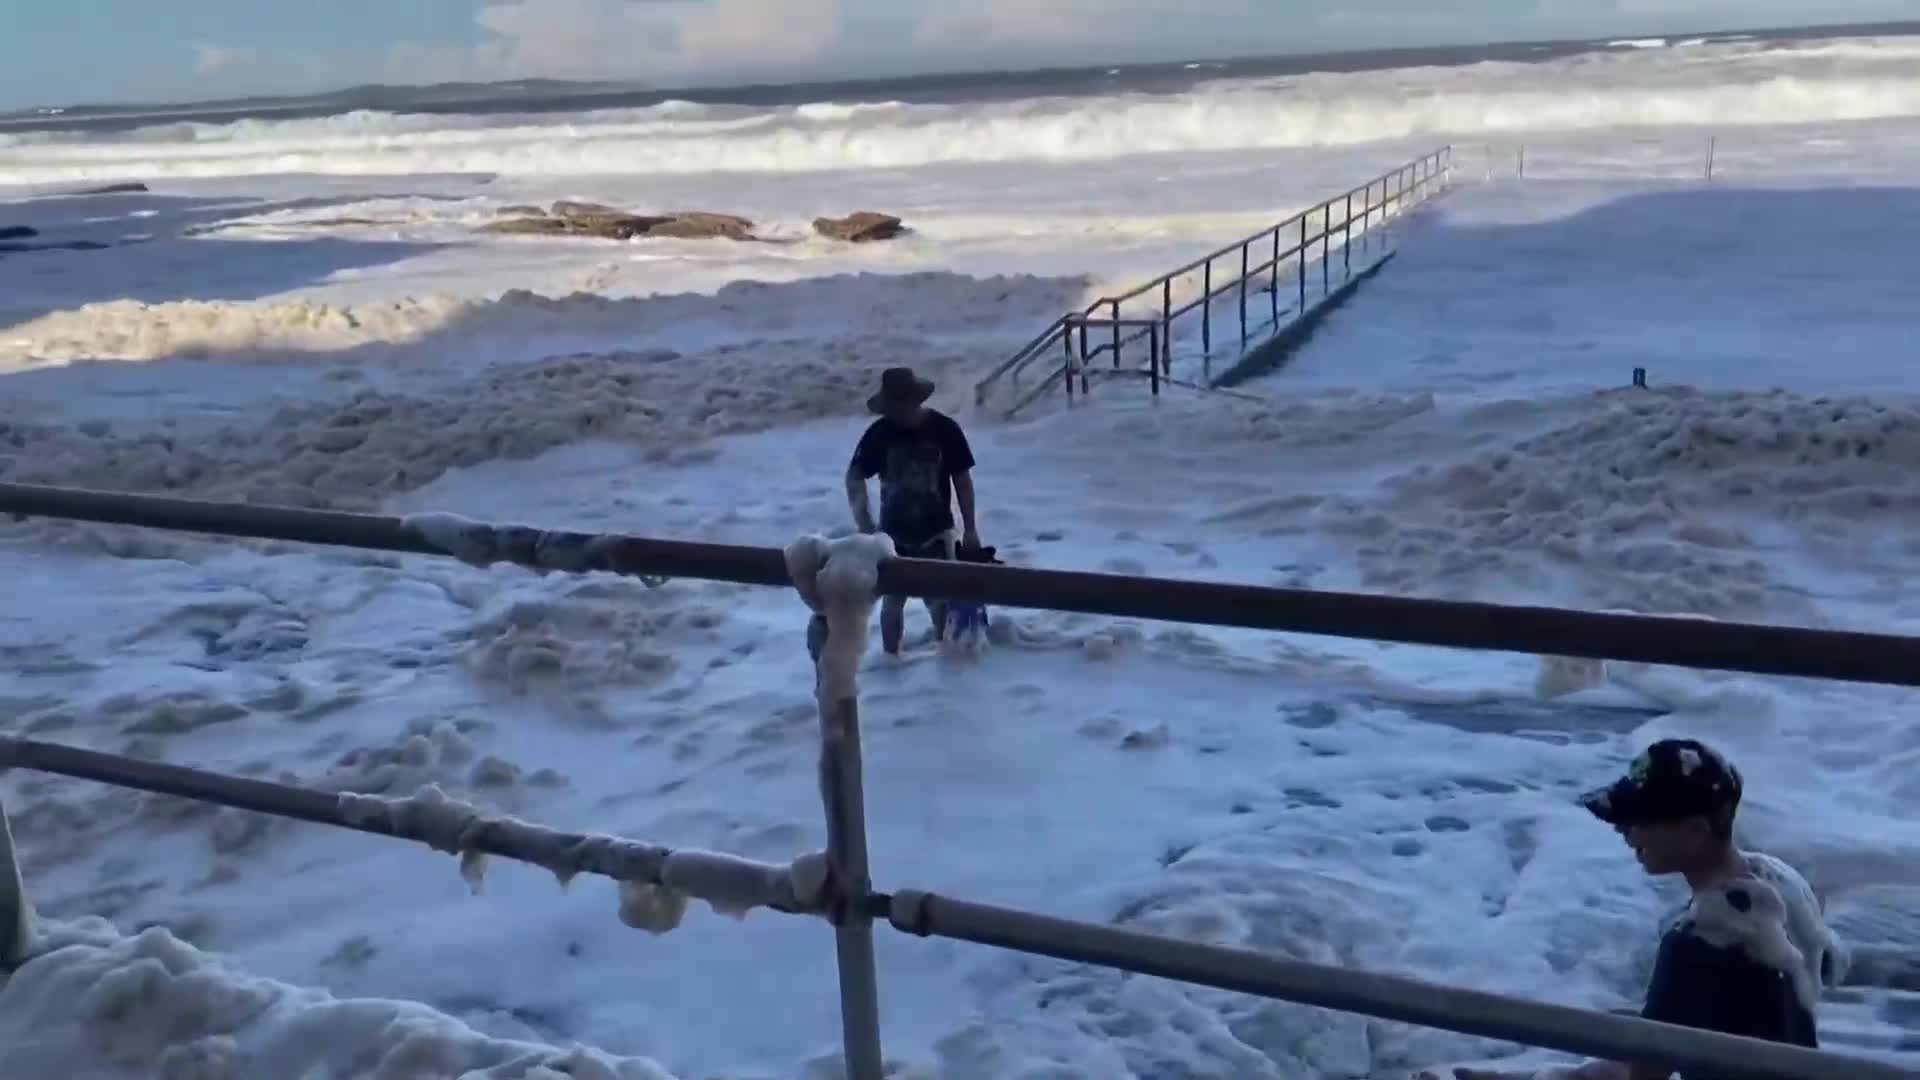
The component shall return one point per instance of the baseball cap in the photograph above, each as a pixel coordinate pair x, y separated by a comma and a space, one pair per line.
1670, 780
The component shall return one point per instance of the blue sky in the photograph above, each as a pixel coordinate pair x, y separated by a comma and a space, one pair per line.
67, 51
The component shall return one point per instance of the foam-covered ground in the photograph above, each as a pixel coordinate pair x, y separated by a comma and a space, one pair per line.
1461, 430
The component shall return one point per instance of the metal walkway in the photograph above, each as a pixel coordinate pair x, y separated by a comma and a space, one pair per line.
1224, 307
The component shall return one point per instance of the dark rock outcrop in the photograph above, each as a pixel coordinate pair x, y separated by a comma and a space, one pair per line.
862, 227
132, 188
17, 232
611, 223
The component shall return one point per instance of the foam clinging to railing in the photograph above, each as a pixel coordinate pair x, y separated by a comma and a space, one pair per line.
839, 580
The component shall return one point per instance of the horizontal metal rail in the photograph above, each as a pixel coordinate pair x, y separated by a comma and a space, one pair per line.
1844, 655
1392, 997
565, 853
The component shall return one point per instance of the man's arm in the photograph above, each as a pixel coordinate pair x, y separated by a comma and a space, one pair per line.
858, 470
959, 457
963, 494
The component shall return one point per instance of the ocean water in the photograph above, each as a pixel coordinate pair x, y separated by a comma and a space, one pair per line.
301, 309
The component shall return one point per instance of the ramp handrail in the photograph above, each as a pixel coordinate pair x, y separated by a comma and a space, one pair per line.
1398, 190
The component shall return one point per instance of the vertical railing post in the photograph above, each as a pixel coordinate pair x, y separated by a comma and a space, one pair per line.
1084, 375
1346, 239
1113, 312
1166, 320
16, 909
1243, 295
1712, 144
1153, 364
1273, 279
1206, 306
1300, 263
1326, 247
1066, 358
842, 791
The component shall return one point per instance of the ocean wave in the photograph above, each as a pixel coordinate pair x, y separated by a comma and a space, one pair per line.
1721, 86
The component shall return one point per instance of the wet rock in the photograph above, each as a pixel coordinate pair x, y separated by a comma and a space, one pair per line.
702, 225
611, 223
17, 232
115, 189
862, 227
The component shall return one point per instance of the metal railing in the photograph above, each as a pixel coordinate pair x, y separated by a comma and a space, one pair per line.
845, 897
1253, 269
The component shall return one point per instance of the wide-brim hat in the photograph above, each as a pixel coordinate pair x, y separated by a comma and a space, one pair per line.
900, 386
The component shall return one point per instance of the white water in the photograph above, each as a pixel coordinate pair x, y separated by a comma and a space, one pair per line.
1461, 430
1722, 86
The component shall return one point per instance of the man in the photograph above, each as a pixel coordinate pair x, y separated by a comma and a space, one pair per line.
1749, 953
924, 464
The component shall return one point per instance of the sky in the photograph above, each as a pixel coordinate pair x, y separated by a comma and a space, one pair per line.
56, 52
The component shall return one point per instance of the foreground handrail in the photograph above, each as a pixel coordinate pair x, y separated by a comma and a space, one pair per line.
1843, 655
743, 884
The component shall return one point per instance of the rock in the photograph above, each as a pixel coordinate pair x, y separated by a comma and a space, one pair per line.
71, 245
701, 224
17, 232
522, 210
115, 189
611, 223
596, 220
567, 209
859, 228
526, 225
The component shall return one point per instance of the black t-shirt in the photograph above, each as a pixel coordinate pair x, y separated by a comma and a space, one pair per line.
1699, 984
916, 466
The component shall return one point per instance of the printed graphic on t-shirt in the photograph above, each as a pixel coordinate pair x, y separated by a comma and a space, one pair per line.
913, 486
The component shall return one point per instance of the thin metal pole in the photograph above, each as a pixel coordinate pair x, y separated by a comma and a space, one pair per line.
1300, 263
1326, 248
1166, 320
1113, 313
1273, 279
1346, 239
1206, 307
1066, 360
625, 860
1846, 656
843, 795
1390, 997
1712, 143
1243, 294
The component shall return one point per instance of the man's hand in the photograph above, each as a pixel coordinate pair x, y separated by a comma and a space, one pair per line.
970, 539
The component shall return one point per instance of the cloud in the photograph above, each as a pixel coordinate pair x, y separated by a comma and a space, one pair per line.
212, 59
660, 41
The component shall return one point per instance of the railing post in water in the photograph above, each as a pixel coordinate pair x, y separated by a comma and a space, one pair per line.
1206, 306
841, 790
1273, 279
1346, 239
1153, 360
1326, 248
1166, 319
1066, 359
1113, 313
1300, 261
1243, 295
1713, 142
